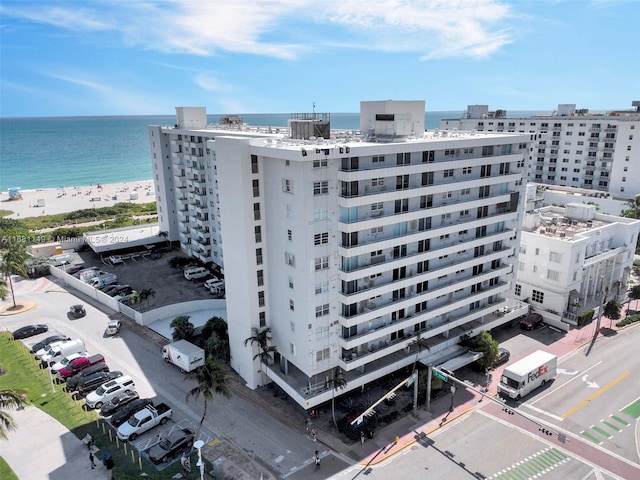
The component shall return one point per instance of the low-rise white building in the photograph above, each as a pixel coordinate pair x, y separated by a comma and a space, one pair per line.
569, 256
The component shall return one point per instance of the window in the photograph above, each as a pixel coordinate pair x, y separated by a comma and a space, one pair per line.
322, 355
262, 318
321, 263
537, 296
377, 159
261, 299
518, 289
321, 238
553, 275
537, 251
322, 332
287, 185
291, 283
322, 310
320, 213
377, 182
256, 188
466, 170
321, 188
260, 275
290, 259
259, 256
377, 206
465, 191
254, 164
322, 287
403, 159
320, 163
555, 257
376, 230
258, 233
292, 305
448, 173
256, 211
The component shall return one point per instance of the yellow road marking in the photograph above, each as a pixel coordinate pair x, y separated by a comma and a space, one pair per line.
596, 394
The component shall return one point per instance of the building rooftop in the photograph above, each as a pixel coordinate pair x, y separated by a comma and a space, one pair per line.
557, 225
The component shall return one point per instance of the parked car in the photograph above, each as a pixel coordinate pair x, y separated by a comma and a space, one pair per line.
73, 382
77, 311
503, 356
113, 327
73, 269
120, 289
107, 391
195, 273
531, 321
125, 297
90, 383
79, 364
177, 441
211, 281
63, 362
117, 402
123, 414
49, 340
29, 331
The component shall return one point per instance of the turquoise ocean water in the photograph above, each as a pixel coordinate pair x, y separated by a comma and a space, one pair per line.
77, 151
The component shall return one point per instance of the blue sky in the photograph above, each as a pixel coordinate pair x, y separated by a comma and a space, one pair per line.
131, 57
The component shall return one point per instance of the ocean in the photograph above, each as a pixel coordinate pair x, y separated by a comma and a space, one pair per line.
80, 151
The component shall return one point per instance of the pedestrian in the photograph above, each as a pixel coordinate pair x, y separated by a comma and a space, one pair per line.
186, 465
361, 437
313, 434
307, 424
93, 463
317, 460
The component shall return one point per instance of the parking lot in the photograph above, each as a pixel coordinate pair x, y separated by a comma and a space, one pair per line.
143, 272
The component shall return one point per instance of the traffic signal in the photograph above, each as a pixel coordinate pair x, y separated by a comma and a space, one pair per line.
508, 411
545, 431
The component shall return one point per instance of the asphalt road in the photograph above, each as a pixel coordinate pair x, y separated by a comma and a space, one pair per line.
281, 448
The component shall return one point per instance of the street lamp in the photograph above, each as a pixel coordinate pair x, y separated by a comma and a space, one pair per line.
198, 445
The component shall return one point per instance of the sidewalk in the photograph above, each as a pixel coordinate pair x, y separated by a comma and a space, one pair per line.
54, 453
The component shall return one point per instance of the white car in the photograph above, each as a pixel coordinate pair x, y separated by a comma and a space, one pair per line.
210, 282
106, 392
63, 363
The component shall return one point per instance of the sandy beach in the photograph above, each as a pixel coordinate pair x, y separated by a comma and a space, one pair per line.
50, 201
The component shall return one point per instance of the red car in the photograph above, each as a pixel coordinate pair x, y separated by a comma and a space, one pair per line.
531, 321
78, 364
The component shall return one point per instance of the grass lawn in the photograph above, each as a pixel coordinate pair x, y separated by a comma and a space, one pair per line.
5, 471
24, 373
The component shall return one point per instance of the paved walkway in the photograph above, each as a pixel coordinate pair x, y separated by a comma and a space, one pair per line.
43, 449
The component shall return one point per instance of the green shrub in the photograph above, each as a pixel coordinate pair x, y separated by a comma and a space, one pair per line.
628, 321
585, 317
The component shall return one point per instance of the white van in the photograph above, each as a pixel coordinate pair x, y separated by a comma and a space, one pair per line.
58, 352
106, 392
196, 272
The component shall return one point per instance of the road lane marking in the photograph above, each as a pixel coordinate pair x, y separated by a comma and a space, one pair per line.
596, 395
610, 425
633, 409
620, 420
594, 439
565, 384
601, 431
544, 412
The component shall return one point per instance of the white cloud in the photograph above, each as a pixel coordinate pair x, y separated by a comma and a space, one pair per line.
288, 29
211, 83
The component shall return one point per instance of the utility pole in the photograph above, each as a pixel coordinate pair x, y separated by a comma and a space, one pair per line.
429, 372
604, 299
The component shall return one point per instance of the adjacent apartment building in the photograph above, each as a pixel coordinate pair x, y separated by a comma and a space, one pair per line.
350, 246
571, 257
572, 148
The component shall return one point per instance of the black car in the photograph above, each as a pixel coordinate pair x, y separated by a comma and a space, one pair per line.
129, 409
29, 331
73, 269
73, 382
77, 311
178, 440
108, 289
117, 402
531, 321
122, 290
53, 338
90, 383
503, 356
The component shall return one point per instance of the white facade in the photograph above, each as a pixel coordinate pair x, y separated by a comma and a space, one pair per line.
571, 148
352, 248
569, 256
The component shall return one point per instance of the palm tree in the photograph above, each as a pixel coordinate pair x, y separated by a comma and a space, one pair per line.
12, 262
337, 382
9, 399
146, 294
165, 235
4, 292
182, 328
137, 298
261, 337
211, 378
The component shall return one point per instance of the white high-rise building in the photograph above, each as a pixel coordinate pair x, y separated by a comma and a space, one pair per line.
571, 148
351, 247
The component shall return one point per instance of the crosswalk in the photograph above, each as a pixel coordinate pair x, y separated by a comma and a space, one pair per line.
533, 466
608, 427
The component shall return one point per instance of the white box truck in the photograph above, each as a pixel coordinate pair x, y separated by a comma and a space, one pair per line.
184, 355
525, 375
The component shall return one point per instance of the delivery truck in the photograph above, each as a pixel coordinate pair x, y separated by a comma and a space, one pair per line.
184, 355
525, 375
